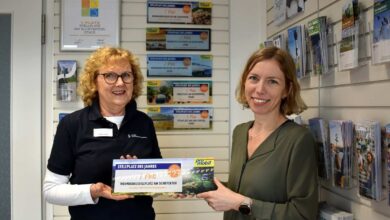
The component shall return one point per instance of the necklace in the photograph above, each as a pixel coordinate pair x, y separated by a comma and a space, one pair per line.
252, 134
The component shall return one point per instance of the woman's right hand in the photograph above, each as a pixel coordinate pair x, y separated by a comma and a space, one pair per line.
103, 190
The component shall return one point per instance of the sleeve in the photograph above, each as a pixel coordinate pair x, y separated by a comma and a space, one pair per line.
56, 190
61, 160
302, 186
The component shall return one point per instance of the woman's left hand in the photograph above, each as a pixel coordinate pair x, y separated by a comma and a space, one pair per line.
222, 199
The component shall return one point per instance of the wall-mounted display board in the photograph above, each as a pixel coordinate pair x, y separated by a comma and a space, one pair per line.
179, 92
89, 24
173, 12
181, 118
183, 39
179, 65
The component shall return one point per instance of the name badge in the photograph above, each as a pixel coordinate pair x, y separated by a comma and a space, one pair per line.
102, 132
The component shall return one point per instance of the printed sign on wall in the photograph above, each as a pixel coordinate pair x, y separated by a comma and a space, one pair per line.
173, 12
195, 39
179, 65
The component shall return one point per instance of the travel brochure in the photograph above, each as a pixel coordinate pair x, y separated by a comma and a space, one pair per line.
159, 65
178, 92
328, 212
381, 39
193, 39
188, 176
174, 12
279, 11
320, 130
369, 163
349, 44
181, 118
297, 49
386, 146
317, 31
294, 7
286, 9
66, 80
341, 139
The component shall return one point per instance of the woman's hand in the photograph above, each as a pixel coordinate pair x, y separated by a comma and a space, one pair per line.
128, 156
222, 199
102, 190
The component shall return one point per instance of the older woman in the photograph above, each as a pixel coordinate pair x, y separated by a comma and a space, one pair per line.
109, 127
273, 171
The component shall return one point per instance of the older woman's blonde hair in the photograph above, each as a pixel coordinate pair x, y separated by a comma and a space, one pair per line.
87, 88
293, 103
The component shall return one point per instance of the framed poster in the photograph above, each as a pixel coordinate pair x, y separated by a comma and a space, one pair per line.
173, 12
181, 118
160, 65
89, 24
161, 92
184, 39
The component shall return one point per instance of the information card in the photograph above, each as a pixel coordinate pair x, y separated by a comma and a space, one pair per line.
159, 176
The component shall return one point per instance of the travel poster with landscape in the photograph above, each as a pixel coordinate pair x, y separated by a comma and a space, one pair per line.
181, 118
178, 39
160, 92
167, 176
179, 65
174, 12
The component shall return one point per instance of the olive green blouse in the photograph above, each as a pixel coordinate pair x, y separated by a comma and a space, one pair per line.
280, 177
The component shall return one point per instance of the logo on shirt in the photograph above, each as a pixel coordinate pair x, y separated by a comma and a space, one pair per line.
136, 136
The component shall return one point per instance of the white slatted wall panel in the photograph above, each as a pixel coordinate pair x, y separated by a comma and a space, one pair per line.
359, 94
213, 142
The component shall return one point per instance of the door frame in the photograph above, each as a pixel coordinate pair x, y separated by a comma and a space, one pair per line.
25, 109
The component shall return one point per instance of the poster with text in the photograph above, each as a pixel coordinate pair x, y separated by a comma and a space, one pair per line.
181, 118
154, 177
89, 24
184, 39
174, 12
160, 92
159, 65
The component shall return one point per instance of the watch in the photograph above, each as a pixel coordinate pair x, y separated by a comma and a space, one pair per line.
245, 206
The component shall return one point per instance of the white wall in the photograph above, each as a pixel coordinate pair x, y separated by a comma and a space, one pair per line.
247, 31
25, 107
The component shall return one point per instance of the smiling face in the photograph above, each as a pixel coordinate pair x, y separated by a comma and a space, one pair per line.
114, 98
265, 87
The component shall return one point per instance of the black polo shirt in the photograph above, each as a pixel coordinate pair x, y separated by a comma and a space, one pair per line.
80, 150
